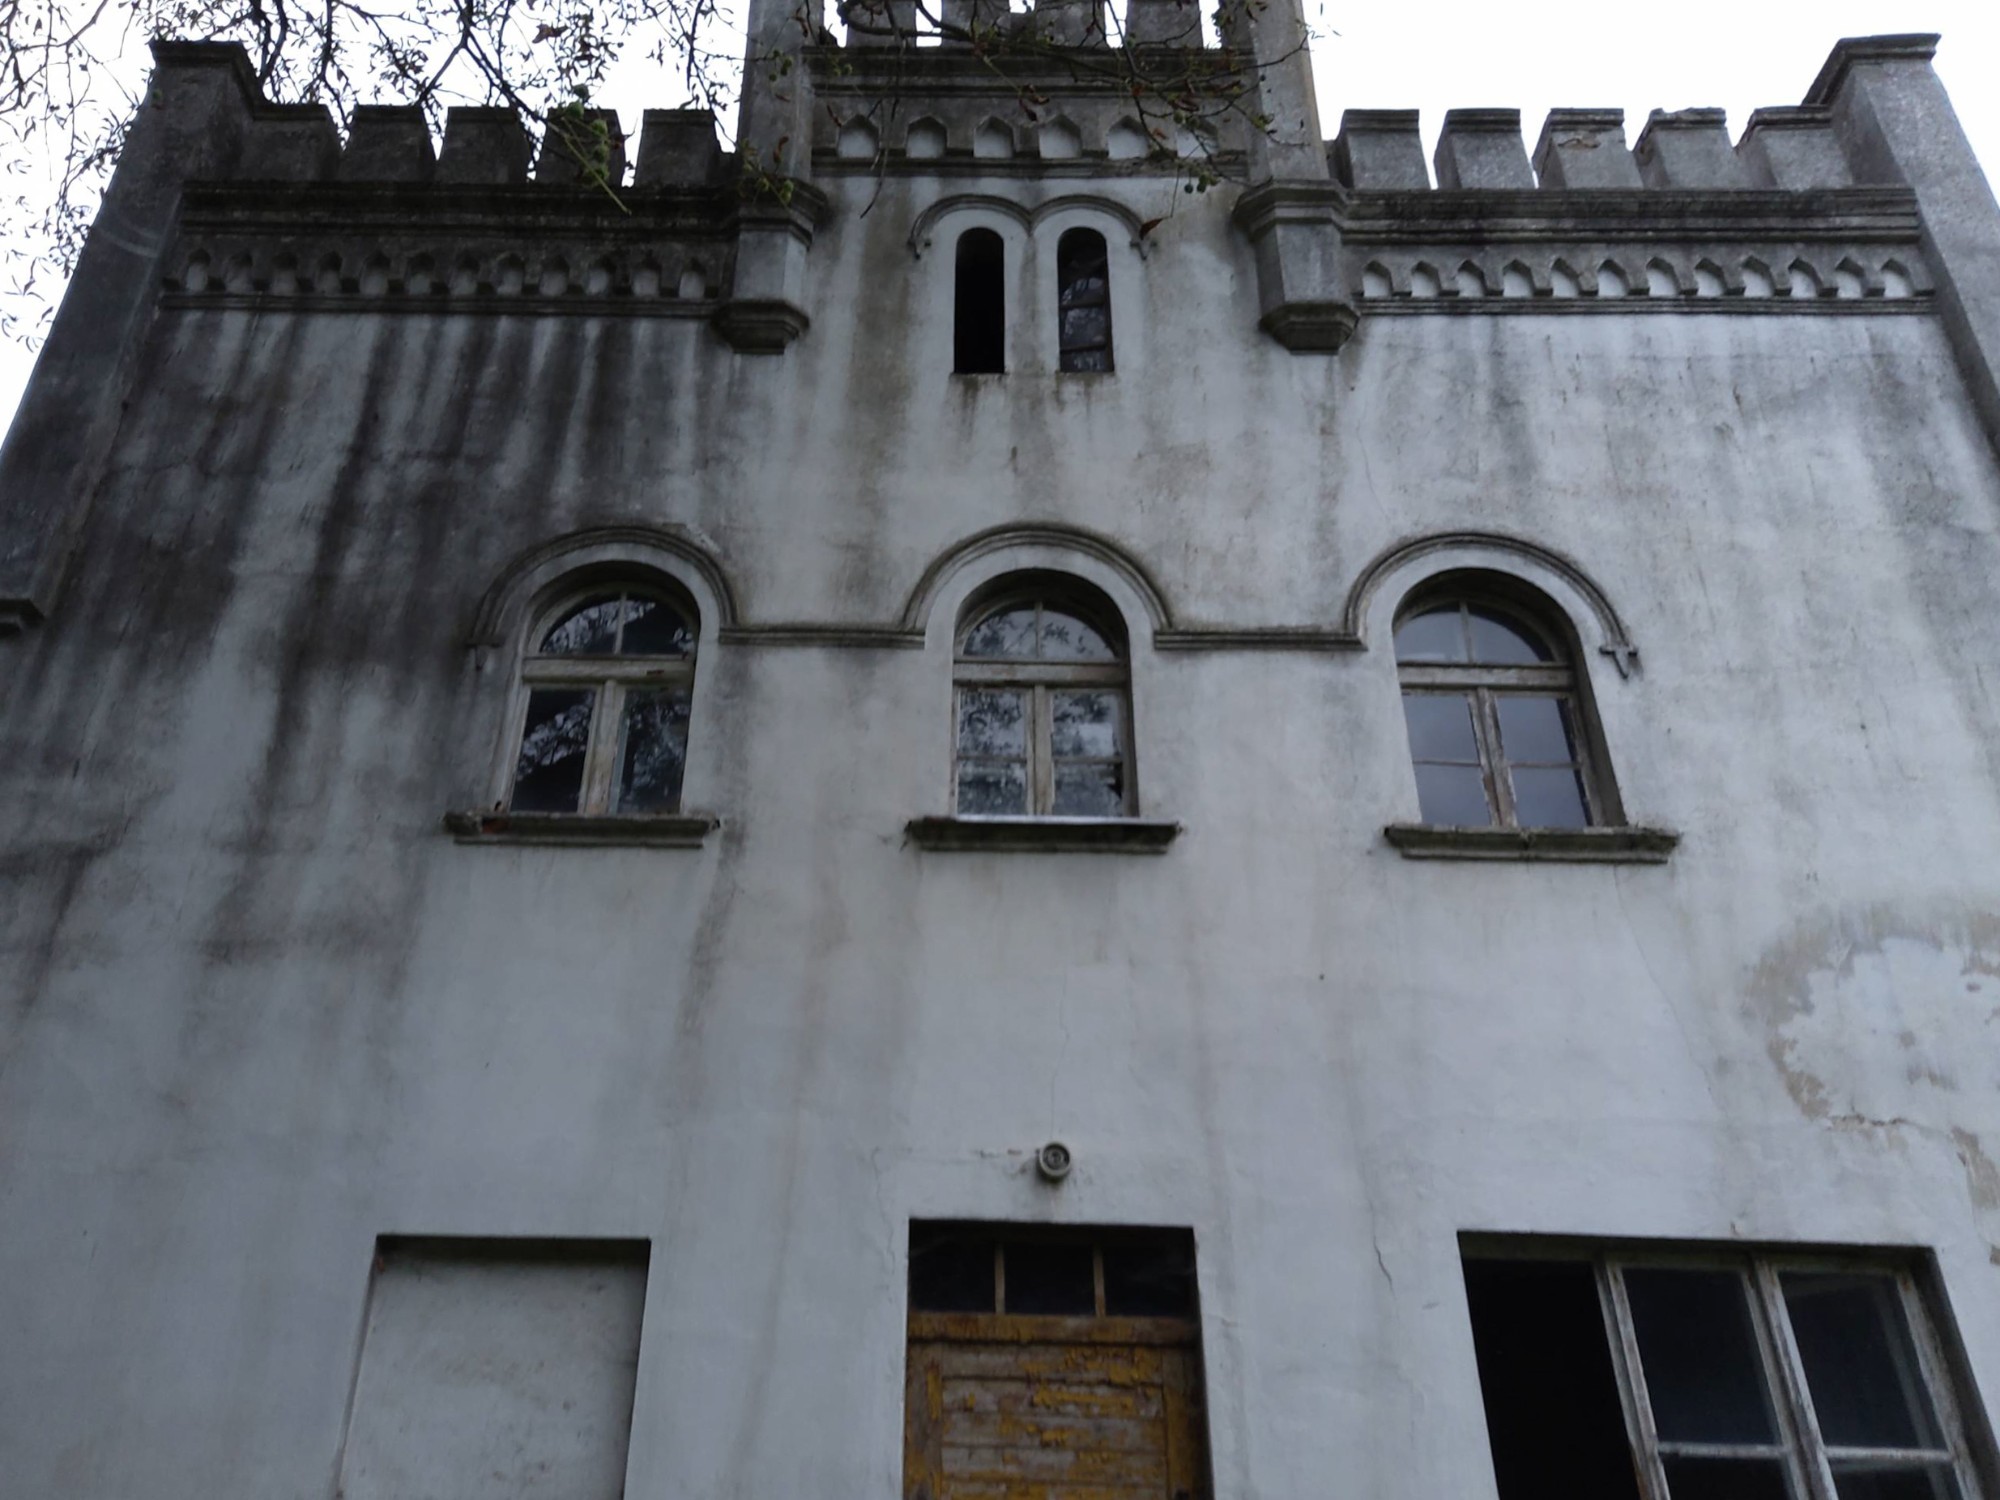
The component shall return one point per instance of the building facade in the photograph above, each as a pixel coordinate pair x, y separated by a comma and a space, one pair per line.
978, 827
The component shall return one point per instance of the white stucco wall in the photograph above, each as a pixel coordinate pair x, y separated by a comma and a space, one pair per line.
262, 1010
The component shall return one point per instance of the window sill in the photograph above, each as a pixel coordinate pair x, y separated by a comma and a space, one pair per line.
1606, 846
593, 830
1045, 835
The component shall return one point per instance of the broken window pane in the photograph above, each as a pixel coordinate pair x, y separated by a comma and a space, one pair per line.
1546, 798
1089, 789
1055, 1279
591, 629
1083, 284
1867, 1389
987, 790
1004, 635
1552, 1410
654, 753
951, 1271
1727, 1479
1084, 724
548, 776
1453, 797
654, 629
1435, 635
979, 314
1149, 1279
1441, 727
992, 722
1697, 1345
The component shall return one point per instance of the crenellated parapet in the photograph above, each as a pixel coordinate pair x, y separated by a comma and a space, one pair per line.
389, 224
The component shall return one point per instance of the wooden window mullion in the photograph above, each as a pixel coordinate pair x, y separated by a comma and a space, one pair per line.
1624, 1340
600, 758
1041, 768
1486, 721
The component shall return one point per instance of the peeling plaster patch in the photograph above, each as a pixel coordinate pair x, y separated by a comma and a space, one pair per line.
1870, 1020
1982, 1177
1880, 973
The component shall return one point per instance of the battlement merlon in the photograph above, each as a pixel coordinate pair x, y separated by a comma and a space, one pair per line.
1895, 124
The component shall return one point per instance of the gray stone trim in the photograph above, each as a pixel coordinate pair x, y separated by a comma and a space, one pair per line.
1618, 643
1255, 638
1027, 216
621, 546
1043, 835
1594, 846
815, 633
1054, 534
582, 830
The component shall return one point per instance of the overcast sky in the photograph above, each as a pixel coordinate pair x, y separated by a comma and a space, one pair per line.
1447, 54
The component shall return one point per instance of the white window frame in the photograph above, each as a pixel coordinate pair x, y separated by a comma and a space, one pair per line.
610, 678
1039, 680
1807, 1458
1485, 685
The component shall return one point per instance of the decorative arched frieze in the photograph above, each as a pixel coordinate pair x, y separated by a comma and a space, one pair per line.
625, 549
1423, 556
925, 225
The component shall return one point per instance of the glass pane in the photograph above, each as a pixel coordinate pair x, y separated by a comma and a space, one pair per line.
589, 630
1548, 799
1860, 1364
1149, 1280
1007, 634
1727, 1479
992, 722
1084, 723
1698, 1351
655, 629
1090, 789
1066, 638
1865, 1481
1453, 797
1050, 1280
549, 775
1536, 729
986, 790
1088, 361
1088, 327
951, 1271
1500, 640
1441, 727
1086, 284
1435, 635
654, 754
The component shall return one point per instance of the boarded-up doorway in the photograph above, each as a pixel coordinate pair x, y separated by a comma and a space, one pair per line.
1048, 1365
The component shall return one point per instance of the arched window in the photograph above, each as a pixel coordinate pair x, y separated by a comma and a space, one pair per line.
608, 676
1498, 723
1083, 282
1043, 708
979, 319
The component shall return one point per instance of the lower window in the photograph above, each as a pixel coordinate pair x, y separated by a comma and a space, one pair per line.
1053, 1365
1649, 1375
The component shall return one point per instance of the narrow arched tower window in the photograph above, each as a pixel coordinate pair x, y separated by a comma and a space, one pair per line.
1083, 279
1499, 723
1043, 707
979, 322
608, 677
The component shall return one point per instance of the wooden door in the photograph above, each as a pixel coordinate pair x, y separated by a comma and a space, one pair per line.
1033, 1408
